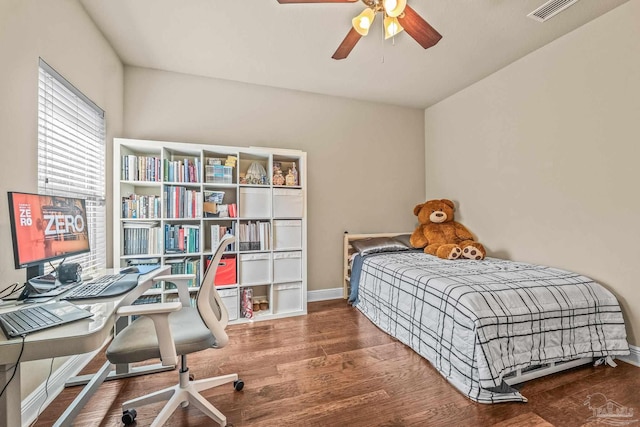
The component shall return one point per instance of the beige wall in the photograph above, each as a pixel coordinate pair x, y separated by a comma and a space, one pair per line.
542, 156
61, 33
365, 160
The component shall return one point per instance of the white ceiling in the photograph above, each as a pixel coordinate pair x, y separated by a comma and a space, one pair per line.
290, 46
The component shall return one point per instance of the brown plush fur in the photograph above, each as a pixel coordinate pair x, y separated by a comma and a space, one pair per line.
440, 235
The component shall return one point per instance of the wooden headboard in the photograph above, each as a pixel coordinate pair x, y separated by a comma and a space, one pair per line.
348, 251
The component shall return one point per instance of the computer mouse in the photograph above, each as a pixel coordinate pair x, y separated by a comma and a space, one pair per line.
128, 270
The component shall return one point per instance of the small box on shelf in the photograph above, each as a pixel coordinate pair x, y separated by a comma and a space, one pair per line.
219, 170
230, 299
226, 272
255, 202
287, 266
255, 268
287, 234
287, 297
287, 203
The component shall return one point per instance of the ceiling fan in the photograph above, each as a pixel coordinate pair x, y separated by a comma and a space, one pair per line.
397, 16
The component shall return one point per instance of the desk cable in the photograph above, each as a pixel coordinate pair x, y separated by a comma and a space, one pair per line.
14, 288
46, 393
15, 367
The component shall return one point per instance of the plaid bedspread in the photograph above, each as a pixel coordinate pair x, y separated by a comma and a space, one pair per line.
477, 321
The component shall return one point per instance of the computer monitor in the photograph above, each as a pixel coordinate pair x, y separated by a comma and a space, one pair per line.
46, 228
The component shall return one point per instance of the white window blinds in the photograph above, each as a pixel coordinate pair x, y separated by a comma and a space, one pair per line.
71, 155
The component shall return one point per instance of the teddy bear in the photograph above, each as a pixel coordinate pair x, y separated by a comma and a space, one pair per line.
440, 235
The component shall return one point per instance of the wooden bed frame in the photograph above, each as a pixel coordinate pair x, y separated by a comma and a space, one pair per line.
348, 251
519, 376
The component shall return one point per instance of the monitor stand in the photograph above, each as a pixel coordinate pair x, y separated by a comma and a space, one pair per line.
35, 271
30, 290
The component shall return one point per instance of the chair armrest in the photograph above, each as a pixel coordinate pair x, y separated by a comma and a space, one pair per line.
148, 309
172, 277
182, 284
159, 314
143, 286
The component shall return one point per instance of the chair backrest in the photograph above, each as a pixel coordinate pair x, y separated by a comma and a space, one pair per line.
208, 301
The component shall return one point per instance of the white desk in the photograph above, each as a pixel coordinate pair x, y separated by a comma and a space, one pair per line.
78, 337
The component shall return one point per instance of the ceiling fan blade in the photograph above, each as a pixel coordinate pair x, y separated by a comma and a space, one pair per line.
418, 28
347, 44
316, 1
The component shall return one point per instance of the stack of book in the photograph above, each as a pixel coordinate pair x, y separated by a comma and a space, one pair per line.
142, 238
217, 232
255, 236
181, 238
181, 202
183, 170
141, 206
184, 266
140, 168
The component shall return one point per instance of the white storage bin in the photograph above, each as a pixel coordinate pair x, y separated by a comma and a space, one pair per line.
255, 269
287, 297
230, 299
254, 202
287, 234
287, 203
287, 266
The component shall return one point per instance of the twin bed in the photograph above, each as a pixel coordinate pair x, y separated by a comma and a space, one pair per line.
484, 325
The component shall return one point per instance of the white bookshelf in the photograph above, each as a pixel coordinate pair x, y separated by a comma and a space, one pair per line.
165, 219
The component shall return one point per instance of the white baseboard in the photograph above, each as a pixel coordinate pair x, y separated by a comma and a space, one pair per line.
36, 400
324, 294
633, 357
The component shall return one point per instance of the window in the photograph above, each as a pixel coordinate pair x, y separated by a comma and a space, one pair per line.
71, 155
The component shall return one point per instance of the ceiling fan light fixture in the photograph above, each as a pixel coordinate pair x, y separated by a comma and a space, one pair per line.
394, 8
362, 22
391, 27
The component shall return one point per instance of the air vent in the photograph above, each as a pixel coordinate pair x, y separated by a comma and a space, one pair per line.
550, 9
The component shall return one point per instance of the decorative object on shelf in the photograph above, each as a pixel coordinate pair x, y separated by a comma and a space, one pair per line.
294, 171
246, 305
256, 174
290, 179
256, 306
263, 304
278, 179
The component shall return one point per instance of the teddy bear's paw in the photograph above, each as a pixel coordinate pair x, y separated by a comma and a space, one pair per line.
455, 253
471, 252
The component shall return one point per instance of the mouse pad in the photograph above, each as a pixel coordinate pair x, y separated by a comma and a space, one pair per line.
144, 269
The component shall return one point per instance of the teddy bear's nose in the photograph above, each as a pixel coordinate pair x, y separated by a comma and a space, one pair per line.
439, 214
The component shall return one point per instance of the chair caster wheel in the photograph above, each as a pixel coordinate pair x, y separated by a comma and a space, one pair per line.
192, 377
238, 385
129, 416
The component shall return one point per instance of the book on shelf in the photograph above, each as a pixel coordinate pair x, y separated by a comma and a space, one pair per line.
182, 265
217, 232
143, 261
181, 238
140, 168
141, 238
182, 170
254, 236
181, 202
146, 299
141, 206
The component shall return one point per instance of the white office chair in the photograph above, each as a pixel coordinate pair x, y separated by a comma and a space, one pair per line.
166, 330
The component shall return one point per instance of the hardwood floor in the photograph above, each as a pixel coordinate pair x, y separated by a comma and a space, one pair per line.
335, 368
